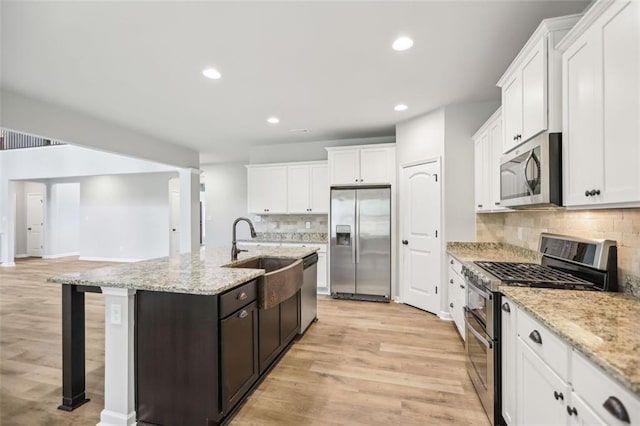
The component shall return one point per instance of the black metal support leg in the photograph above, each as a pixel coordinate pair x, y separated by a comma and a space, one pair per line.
73, 341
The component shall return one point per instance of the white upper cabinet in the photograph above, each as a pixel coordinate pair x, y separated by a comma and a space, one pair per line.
288, 188
488, 150
267, 189
362, 165
531, 100
601, 107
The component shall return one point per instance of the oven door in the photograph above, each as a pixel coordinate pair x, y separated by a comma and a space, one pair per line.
479, 360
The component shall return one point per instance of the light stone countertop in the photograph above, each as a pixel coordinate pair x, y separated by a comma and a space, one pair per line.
193, 273
602, 326
488, 252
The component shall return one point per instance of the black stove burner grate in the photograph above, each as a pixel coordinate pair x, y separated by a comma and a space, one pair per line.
534, 275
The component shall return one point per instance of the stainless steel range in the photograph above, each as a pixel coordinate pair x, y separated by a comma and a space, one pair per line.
567, 263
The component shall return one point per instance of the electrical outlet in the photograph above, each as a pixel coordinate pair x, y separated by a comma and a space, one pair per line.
257, 219
116, 314
307, 225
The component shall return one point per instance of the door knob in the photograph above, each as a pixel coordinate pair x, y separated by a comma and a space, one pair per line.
405, 242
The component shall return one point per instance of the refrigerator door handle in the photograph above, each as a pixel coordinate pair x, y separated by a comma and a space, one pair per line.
357, 245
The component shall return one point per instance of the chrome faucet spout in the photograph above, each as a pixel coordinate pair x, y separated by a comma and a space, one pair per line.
234, 246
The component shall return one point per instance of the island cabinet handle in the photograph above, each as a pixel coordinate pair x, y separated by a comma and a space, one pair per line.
616, 408
243, 314
535, 336
242, 296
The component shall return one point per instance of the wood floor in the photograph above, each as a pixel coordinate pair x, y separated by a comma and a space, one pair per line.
362, 363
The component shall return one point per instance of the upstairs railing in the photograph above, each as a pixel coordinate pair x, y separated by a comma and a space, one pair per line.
16, 140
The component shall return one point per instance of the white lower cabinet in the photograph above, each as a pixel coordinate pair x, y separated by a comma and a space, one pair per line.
541, 393
508, 364
457, 295
554, 384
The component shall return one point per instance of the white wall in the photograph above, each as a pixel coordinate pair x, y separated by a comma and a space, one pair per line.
225, 200
63, 219
125, 217
21, 220
308, 151
420, 138
34, 116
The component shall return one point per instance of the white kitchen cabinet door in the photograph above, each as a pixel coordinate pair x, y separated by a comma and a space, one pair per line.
512, 113
319, 202
541, 395
495, 148
509, 339
482, 170
584, 415
298, 189
377, 165
581, 140
534, 92
267, 189
602, 110
619, 33
344, 167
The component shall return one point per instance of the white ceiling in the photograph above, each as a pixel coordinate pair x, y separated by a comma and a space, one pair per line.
324, 66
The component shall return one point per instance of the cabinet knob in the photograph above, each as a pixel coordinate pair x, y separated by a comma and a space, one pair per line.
479, 206
243, 314
515, 137
405, 242
587, 193
451, 305
572, 411
596, 191
451, 261
617, 409
461, 286
497, 203
558, 395
535, 336
451, 281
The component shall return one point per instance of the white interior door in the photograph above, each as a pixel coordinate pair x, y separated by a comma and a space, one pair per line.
174, 222
35, 221
420, 225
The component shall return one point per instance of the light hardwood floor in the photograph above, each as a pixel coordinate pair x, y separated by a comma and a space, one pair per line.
361, 363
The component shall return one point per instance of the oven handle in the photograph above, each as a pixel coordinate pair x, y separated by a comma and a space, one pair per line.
484, 341
475, 288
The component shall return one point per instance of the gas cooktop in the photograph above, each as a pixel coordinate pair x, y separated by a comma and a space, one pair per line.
534, 275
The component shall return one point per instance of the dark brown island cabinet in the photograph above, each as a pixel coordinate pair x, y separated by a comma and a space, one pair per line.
198, 357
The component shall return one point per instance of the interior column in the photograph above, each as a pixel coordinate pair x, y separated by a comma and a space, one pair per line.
189, 210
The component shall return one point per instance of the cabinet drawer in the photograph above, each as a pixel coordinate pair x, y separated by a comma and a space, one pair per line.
235, 299
544, 343
596, 388
456, 265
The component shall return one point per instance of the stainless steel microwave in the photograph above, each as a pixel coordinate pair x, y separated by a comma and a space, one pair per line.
531, 174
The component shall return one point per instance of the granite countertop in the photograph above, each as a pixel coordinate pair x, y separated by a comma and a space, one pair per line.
497, 252
193, 273
602, 326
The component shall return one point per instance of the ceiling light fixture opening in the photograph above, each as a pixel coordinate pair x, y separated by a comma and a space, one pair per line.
273, 120
402, 43
400, 107
211, 73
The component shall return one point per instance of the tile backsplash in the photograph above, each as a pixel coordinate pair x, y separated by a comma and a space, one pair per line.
523, 228
319, 223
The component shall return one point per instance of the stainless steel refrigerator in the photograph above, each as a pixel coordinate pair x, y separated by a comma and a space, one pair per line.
361, 243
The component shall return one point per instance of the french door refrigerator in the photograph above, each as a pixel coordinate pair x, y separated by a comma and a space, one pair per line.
360, 224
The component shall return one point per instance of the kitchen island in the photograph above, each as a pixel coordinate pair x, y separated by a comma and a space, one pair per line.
203, 335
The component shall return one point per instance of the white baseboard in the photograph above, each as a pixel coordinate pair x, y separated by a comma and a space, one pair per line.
445, 316
109, 259
7, 265
20, 256
56, 256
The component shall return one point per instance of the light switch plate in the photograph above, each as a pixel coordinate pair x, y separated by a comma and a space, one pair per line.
116, 314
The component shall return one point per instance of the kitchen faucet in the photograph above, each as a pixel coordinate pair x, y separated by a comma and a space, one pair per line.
234, 247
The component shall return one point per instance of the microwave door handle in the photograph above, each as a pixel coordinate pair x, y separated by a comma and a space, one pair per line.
524, 173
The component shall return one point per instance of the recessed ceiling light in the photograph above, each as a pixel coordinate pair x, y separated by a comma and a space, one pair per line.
211, 73
402, 43
400, 107
273, 120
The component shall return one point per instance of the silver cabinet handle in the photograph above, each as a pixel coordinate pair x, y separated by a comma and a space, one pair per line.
242, 296
243, 314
